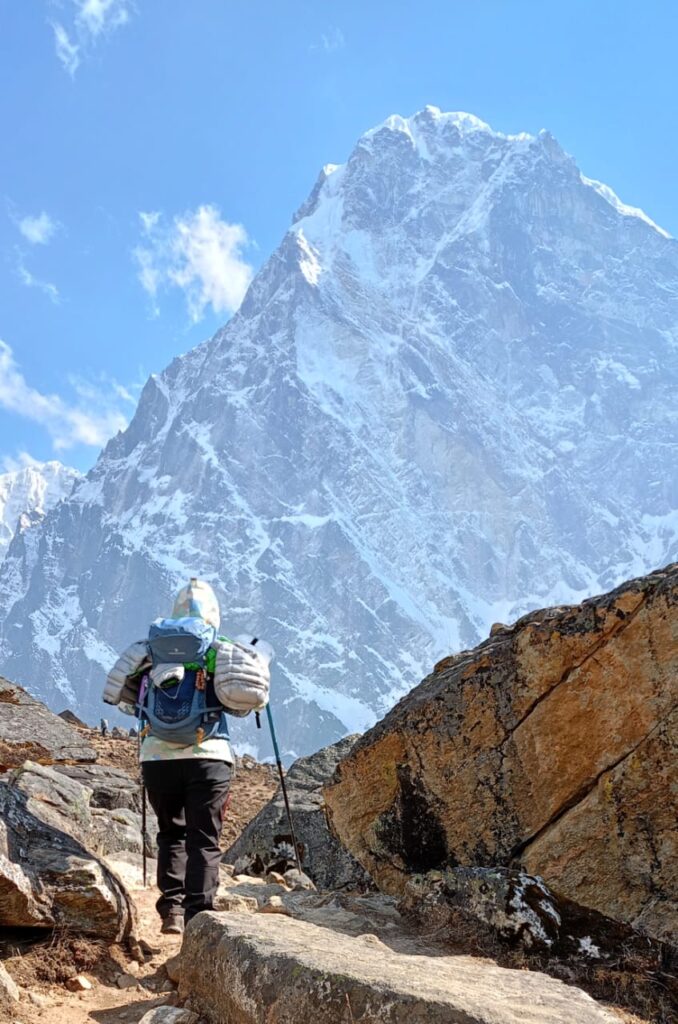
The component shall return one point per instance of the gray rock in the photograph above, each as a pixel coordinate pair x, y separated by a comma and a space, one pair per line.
113, 790
72, 719
29, 731
245, 969
111, 787
40, 999
169, 1015
50, 871
328, 864
9, 990
296, 879
69, 805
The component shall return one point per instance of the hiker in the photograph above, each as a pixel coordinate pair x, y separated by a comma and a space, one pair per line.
184, 681
103, 727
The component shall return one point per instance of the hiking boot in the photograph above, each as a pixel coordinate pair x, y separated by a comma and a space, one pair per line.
173, 924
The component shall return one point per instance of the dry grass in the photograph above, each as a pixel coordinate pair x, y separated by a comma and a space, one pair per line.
54, 959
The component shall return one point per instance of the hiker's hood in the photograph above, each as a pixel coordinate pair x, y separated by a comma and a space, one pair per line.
199, 600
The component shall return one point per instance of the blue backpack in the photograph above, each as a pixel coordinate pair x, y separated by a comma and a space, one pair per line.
182, 708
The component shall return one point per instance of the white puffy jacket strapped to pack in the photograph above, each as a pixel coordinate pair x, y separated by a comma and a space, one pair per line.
130, 663
242, 677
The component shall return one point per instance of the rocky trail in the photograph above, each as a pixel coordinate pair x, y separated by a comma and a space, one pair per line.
45, 965
553, 902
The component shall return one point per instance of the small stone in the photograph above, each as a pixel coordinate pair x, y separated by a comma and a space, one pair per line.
9, 990
147, 949
248, 880
173, 968
39, 999
235, 903
168, 999
79, 984
298, 880
275, 877
133, 968
274, 905
228, 869
125, 981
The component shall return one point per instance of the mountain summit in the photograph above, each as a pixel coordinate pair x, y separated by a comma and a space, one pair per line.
447, 398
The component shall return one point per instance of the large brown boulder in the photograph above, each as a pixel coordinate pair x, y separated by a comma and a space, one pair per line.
30, 731
550, 746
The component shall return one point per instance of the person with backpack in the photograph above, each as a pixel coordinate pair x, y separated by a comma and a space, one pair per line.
183, 682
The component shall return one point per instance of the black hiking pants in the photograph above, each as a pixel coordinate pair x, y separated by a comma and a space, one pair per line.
189, 799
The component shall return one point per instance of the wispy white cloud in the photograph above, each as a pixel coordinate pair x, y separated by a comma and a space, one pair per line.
92, 390
97, 16
330, 41
90, 420
38, 230
12, 463
67, 51
199, 253
46, 287
90, 19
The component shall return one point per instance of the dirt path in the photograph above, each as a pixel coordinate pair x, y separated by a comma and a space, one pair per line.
40, 969
105, 1002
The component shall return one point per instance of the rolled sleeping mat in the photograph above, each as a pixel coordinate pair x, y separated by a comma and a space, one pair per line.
130, 663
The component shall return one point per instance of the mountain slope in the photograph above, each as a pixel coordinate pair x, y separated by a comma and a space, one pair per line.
446, 399
31, 489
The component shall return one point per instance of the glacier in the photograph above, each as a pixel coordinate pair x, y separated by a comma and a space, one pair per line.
448, 397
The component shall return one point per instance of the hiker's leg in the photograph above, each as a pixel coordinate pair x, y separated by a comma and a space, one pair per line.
206, 792
164, 781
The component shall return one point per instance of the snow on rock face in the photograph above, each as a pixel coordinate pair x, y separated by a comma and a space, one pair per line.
34, 488
445, 400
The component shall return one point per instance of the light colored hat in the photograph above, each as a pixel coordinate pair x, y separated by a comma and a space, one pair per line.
198, 600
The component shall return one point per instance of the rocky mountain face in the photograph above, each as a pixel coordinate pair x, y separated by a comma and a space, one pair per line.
27, 493
446, 399
550, 747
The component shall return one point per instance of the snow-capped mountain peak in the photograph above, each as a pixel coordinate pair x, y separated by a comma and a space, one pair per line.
33, 488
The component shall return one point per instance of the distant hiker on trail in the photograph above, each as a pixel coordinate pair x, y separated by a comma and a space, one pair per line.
182, 683
103, 726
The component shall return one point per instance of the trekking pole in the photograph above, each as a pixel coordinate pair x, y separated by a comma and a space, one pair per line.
281, 773
144, 864
143, 836
283, 786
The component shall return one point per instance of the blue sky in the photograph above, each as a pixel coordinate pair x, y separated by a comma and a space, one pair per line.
155, 150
